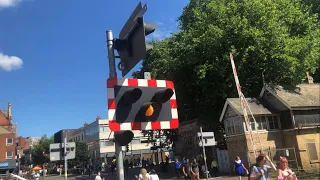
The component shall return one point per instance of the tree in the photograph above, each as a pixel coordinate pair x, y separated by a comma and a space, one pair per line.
82, 154
40, 152
276, 38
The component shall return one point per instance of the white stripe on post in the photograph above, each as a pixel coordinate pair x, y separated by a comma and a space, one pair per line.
112, 114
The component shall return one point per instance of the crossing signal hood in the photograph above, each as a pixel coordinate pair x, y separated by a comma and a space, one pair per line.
143, 104
131, 45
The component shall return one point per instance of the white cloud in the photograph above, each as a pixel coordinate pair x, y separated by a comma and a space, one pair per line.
9, 3
10, 63
160, 34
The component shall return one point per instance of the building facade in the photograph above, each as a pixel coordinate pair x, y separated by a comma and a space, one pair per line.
99, 139
284, 123
7, 135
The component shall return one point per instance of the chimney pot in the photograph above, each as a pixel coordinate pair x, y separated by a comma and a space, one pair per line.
309, 78
9, 113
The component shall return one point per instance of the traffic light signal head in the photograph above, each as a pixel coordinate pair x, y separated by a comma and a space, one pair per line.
151, 107
123, 138
131, 45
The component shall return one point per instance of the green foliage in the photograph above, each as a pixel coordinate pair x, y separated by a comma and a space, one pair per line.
82, 154
42, 147
277, 38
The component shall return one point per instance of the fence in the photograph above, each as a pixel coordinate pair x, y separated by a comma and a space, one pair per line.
291, 155
275, 154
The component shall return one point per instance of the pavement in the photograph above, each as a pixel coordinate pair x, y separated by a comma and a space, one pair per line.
130, 176
126, 178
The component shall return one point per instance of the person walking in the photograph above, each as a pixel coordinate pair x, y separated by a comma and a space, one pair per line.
239, 168
153, 175
177, 165
284, 172
214, 167
186, 170
195, 170
98, 176
144, 175
260, 171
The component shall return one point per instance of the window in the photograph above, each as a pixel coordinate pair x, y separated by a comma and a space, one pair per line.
312, 151
9, 155
105, 143
81, 137
9, 141
307, 118
253, 125
234, 125
264, 123
135, 141
273, 122
104, 128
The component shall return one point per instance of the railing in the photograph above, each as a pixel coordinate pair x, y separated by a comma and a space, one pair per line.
13, 176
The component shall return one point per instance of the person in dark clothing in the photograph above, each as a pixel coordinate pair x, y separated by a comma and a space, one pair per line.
186, 170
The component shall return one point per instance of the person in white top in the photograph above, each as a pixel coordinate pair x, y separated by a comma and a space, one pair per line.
153, 175
143, 175
98, 177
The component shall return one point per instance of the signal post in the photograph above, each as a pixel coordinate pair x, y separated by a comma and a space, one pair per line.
136, 104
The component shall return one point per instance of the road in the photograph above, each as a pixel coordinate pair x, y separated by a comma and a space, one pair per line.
113, 177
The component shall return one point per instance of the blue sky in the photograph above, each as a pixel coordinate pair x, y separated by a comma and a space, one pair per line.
53, 57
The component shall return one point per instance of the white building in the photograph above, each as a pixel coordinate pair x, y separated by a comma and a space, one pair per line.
100, 140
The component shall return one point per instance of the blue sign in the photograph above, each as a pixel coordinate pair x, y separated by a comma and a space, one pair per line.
4, 164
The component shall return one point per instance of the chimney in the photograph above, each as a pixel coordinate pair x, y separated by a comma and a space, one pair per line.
85, 124
98, 117
9, 113
309, 78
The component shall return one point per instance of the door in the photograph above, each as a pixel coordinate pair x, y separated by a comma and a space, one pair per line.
223, 161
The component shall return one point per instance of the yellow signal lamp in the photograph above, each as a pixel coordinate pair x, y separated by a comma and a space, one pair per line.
149, 112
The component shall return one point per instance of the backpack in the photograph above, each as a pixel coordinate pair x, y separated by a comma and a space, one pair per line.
251, 167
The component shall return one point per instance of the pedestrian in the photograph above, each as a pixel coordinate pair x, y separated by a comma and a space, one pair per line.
214, 167
239, 168
284, 172
260, 171
186, 170
153, 175
98, 177
177, 168
143, 175
195, 170
36, 175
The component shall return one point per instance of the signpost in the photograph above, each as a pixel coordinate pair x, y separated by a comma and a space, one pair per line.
57, 149
206, 139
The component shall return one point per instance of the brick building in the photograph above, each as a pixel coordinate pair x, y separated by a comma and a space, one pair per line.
7, 135
286, 123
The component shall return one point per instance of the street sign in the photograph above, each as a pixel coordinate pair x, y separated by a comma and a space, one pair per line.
208, 139
55, 152
141, 104
57, 149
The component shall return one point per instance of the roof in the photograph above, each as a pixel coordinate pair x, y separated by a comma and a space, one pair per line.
5, 113
4, 121
4, 130
305, 95
254, 105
